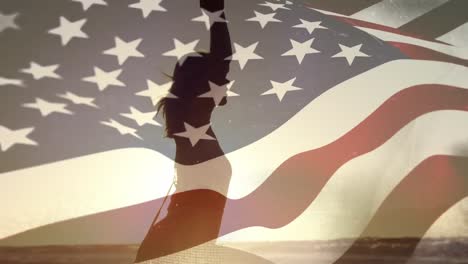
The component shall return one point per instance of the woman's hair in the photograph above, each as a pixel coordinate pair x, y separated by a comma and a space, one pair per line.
191, 77
190, 80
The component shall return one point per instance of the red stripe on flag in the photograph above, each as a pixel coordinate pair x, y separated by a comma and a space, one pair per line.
271, 205
361, 23
422, 53
305, 174
428, 191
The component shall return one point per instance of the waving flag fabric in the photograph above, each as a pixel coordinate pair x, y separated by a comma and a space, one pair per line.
357, 100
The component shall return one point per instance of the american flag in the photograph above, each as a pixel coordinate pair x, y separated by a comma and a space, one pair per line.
360, 100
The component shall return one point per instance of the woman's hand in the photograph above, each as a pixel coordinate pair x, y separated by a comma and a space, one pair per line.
212, 5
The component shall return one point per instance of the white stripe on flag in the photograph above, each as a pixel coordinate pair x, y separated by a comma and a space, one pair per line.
335, 112
352, 196
447, 226
114, 179
395, 13
325, 12
453, 223
461, 52
457, 37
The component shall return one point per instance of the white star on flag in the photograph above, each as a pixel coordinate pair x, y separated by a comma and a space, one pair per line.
263, 19
38, 71
181, 50
148, 6
195, 134
209, 18
350, 53
142, 118
123, 130
309, 25
301, 49
274, 6
88, 3
124, 50
157, 92
229, 86
216, 92
104, 79
9, 138
46, 108
69, 30
78, 100
8, 21
7, 81
280, 89
243, 55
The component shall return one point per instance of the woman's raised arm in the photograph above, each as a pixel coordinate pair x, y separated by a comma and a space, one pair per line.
220, 40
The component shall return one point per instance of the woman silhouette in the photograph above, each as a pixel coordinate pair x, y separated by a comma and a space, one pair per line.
199, 85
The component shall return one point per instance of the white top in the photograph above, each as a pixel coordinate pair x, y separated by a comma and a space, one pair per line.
214, 174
